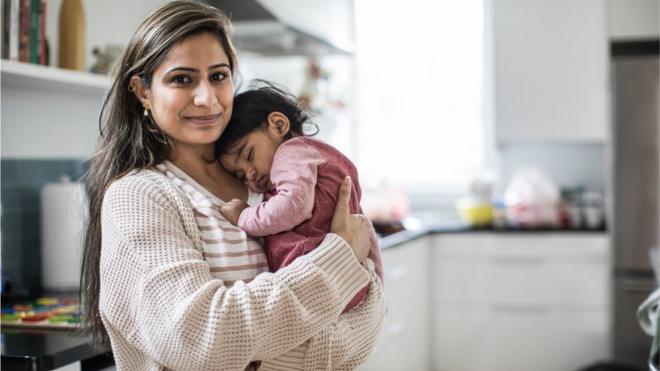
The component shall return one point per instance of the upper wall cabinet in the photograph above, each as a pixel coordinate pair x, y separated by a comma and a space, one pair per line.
634, 19
550, 70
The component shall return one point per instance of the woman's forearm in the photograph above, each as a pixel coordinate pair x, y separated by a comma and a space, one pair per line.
344, 345
348, 343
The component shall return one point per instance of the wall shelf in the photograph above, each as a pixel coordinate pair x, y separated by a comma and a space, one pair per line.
33, 76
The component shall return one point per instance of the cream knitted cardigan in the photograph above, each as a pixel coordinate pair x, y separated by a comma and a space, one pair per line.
163, 310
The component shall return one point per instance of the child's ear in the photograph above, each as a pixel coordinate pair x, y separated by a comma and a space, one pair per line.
278, 124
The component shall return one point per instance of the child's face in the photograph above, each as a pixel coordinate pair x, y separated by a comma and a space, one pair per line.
251, 157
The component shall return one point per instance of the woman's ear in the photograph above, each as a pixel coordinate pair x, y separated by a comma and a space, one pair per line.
278, 124
136, 86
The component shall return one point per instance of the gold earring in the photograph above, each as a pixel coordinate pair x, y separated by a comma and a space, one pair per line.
146, 111
131, 88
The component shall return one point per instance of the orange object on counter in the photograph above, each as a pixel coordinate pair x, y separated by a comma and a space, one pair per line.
36, 317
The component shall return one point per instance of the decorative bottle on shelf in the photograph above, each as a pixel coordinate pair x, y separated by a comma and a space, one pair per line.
72, 35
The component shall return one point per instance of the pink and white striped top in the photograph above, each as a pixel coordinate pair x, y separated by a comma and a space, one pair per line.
231, 253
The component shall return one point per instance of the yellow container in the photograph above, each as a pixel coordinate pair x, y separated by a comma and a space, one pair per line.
72, 35
475, 214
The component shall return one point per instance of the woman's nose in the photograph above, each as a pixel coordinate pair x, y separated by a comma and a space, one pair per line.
205, 95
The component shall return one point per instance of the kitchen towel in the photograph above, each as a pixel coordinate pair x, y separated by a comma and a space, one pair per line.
62, 226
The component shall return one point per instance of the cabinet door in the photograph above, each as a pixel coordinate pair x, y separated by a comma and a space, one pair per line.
404, 338
519, 301
521, 339
550, 70
633, 19
564, 271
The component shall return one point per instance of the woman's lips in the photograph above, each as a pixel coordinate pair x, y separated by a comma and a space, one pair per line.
204, 120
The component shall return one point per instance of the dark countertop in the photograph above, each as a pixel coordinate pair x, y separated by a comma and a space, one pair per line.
404, 236
28, 349
37, 349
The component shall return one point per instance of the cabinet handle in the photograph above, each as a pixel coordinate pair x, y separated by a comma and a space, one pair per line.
518, 260
638, 287
396, 273
529, 308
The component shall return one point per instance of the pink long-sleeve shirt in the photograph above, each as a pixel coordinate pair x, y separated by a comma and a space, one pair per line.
294, 219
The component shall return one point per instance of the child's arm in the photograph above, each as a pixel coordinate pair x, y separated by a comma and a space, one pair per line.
293, 174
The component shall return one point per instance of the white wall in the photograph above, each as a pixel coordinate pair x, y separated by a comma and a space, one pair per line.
48, 123
567, 164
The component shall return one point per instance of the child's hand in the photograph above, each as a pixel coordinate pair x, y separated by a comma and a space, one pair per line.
232, 210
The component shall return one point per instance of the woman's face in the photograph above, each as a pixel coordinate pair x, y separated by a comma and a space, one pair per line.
191, 93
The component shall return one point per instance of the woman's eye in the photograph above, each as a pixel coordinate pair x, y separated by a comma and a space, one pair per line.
218, 76
181, 79
250, 154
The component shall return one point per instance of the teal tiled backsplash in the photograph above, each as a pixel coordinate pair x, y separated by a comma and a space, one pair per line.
20, 196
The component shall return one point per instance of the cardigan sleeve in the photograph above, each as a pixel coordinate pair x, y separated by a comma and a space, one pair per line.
344, 345
348, 343
293, 173
158, 295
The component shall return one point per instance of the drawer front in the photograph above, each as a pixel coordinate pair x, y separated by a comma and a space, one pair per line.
526, 338
569, 272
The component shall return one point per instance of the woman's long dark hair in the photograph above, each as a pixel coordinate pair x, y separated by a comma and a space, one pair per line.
128, 139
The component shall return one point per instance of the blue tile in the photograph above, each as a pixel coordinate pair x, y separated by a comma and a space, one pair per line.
9, 169
22, 181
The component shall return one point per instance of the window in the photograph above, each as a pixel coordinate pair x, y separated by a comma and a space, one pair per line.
420, 92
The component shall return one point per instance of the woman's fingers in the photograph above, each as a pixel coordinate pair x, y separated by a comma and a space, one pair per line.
354, 228
342, 210
360, 228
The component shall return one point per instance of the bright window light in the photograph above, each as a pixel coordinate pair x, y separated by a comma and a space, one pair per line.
420, 92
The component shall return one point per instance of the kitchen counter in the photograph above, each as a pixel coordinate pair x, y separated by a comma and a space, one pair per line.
24, 349
37, 349
404, 236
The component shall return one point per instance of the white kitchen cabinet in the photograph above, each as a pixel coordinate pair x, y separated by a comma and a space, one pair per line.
633, 19
404, 339
550, 70
510, 302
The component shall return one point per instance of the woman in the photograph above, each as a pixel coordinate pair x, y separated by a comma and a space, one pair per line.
146, 289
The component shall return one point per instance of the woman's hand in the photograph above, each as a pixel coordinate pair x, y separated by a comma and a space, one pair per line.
354, 228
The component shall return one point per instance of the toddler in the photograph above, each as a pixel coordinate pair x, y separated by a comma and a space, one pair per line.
265, 146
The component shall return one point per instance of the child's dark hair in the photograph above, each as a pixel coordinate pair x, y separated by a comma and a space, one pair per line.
251, 110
